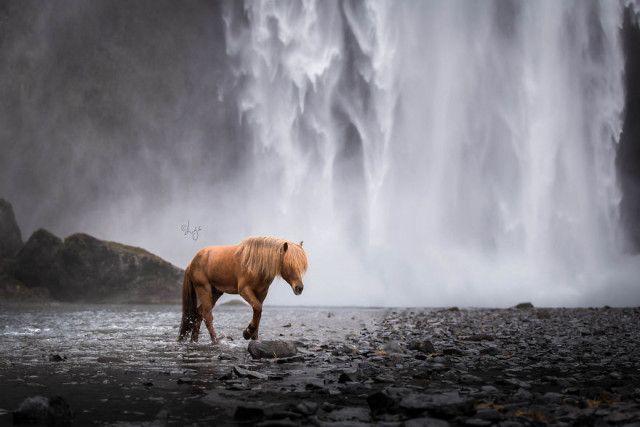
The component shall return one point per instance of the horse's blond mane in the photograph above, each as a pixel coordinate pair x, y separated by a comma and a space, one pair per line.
264, 257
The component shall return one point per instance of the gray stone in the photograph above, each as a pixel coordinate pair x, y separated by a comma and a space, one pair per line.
522, 395
42, 411
444, 405
424, 346
426, 422
272, 349
248, 414
385, 401
246, 373
307, 408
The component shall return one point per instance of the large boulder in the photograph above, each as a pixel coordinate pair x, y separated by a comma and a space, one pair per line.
86, 269
10, 236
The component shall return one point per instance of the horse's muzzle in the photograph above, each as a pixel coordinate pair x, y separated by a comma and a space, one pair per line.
297, 290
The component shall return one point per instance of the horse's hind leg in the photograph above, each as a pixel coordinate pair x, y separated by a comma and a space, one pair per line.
196, 326
207, 295
207, 315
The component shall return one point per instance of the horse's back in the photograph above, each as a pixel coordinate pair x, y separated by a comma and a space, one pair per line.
218, 266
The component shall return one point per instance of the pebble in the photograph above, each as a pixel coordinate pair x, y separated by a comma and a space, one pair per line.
272, 349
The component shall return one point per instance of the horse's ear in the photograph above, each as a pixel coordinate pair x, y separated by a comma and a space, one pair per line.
285, 247
301, 241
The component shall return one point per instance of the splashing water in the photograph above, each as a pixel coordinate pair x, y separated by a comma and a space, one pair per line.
432, 151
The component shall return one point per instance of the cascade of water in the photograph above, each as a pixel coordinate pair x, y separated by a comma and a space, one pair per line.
438, 146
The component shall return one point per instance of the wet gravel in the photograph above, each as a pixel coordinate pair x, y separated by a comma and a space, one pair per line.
121, 365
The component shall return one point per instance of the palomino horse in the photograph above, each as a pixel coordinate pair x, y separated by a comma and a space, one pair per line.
246, 269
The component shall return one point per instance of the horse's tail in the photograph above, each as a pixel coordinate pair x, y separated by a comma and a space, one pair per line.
189, 307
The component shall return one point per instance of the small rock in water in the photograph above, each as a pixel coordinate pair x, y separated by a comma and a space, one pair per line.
56, 358
42, 411
392, 347
307, 408
385, 401
350, 376
248, 414
343, 350
424, 346
452, 351
246, 373
272, 349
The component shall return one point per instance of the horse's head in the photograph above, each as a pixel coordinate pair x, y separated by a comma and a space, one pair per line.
294, 265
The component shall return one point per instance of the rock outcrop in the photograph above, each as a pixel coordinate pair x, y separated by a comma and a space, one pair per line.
86, 269
10, 236
82, 269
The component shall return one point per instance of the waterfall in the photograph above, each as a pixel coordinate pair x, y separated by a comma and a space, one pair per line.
431, 151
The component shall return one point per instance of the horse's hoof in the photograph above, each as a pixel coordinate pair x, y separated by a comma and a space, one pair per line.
246, 334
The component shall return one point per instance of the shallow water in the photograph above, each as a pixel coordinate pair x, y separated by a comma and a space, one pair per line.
143, 334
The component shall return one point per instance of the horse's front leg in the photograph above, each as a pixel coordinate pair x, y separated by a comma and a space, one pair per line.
251, 332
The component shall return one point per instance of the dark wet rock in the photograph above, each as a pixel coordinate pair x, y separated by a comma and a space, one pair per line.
392, 347
246, 373
369, 369
350, 376
43, 411
491, 351
385, 378
524, 305
488, 414
86, 269
424, 346
444, 405
348, 415
315, 384
344, 350
306, 408
480, 337
452, 351
56, 358
248, 414
385, 401
477, 422
10, 236
426, 422
272, 349
292, 359
522, 395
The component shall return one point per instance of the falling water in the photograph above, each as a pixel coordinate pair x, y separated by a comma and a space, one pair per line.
428, 151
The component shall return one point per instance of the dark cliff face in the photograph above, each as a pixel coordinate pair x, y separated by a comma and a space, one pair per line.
628, 155
86, 269
10, 236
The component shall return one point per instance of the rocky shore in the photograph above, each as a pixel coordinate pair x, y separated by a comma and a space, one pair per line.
411, 367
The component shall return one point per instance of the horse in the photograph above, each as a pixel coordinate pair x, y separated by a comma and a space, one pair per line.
247, 269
